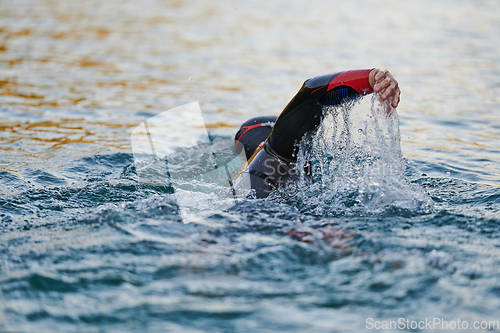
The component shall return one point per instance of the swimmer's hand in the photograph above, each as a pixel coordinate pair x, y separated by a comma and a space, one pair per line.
384, 83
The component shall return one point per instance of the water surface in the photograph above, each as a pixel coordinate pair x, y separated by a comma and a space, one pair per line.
86, 247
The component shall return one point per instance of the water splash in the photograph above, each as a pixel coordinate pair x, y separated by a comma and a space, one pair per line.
356, 165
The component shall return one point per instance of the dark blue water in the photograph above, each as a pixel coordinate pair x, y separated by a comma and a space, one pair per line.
90, 248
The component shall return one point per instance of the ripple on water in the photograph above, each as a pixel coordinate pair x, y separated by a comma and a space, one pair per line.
111, 250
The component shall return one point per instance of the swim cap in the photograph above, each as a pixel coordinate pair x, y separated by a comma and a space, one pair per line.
252, 133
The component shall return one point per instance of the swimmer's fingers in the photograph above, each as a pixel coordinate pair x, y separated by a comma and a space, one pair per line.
388, 87
380, 73
394, 101
396, 98
383, 82
390, 90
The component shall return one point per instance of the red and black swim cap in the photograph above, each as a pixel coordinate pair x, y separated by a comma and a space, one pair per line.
252, 133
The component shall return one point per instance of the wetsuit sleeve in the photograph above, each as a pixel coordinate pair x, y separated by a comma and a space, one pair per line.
304, 112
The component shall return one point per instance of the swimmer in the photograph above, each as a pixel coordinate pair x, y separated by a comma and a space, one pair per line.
271, 143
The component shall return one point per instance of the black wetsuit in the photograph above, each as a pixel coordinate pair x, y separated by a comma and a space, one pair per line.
273, 165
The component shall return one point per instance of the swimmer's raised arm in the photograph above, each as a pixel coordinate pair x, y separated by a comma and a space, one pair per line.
332, 89
304, 112
271, 164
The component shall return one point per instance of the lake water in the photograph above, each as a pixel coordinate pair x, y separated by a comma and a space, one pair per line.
85, 246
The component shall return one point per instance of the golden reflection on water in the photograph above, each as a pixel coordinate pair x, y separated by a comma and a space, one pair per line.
78, 77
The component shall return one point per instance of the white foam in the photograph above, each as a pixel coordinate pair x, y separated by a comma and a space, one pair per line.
358, 167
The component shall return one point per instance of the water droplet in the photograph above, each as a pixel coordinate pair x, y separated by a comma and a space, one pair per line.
448, 173
360, 131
